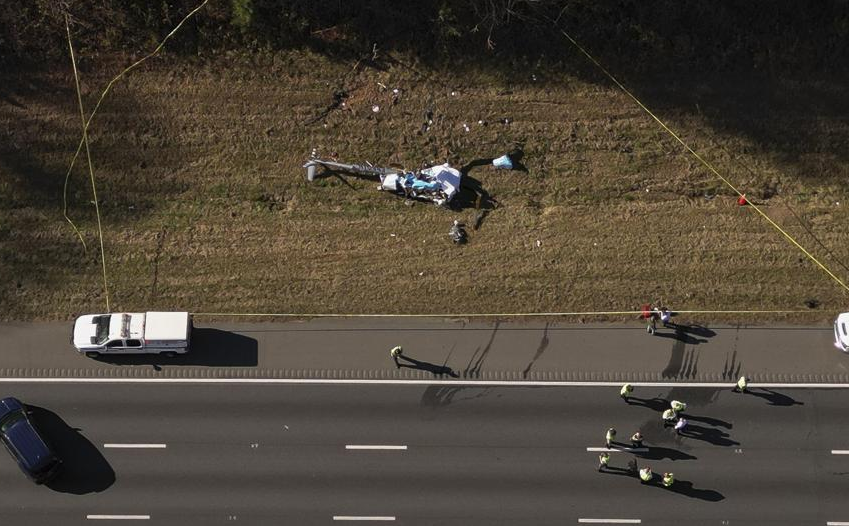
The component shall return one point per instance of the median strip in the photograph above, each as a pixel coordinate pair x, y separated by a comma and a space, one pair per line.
135, 446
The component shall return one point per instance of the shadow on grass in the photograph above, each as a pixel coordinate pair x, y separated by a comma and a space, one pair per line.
84, 469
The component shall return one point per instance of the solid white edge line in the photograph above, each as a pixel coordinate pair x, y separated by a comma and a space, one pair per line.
610, 521
620, 449
840, 452
363, 518
135, 446
118, 517
352, 446
833, 523
481, 383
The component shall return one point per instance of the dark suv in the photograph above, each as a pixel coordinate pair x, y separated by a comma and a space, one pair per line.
34, 456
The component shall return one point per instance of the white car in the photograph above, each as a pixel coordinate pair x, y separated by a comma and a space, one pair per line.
167, 333
841, 332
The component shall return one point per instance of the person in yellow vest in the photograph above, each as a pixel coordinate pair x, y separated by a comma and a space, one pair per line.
610, 437
669, 417
742, 384
646, 475
678, 406
668, 479
626, 391
637, 440
395, 353
603, 460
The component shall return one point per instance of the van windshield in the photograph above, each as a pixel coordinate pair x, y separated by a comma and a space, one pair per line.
102, 333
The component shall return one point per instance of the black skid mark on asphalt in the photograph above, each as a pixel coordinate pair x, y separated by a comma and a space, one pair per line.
543, 345
676, 360
475, 363
728, 372
437, 396
690, 364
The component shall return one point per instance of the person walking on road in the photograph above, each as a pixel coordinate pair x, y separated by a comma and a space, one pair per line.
637, 440
395, 353
653, 314
669, 416
610, 437
665, 316
742, 384
646, 475
603, 460
680, 425
668, 479
626, 391
678, 407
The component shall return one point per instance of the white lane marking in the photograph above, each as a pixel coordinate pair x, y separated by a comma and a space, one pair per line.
135, 446
364, 518
472, 383
840, 452
833, 523
610, 521
352, 446
118, 517
615, 449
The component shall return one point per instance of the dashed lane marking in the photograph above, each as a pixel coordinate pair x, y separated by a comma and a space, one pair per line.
840, 452
363, 518
610, 521
620, 449
352, 446
135, 446
118, 517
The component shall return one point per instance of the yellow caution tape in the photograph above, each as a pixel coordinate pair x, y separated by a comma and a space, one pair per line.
703, 161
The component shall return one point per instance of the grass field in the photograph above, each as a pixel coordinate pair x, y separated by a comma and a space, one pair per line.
205, 205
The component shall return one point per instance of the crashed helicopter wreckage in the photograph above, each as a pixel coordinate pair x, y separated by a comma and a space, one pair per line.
437, 184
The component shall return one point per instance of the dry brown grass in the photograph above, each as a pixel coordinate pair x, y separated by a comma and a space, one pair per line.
206, 206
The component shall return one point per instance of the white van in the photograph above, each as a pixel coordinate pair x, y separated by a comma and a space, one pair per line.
841, 332
167, 333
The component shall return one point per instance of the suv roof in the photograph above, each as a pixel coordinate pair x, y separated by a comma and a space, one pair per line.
30, 450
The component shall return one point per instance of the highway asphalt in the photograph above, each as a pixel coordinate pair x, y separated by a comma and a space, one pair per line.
276, 454
451, 349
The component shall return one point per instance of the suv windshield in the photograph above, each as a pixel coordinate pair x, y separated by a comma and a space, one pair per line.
102, 328
10, 420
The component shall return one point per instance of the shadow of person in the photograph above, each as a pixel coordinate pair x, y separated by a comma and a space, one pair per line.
659, 453
655, 404
685, 487
209, 347
709, 421
708, 434
696, 330
681, 336
773, 397
437, 370
614, 470
84, 469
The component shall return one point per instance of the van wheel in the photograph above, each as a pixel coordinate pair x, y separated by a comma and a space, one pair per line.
169, 354
92, 354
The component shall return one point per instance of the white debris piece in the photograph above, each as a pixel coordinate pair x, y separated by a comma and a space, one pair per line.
375, 108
